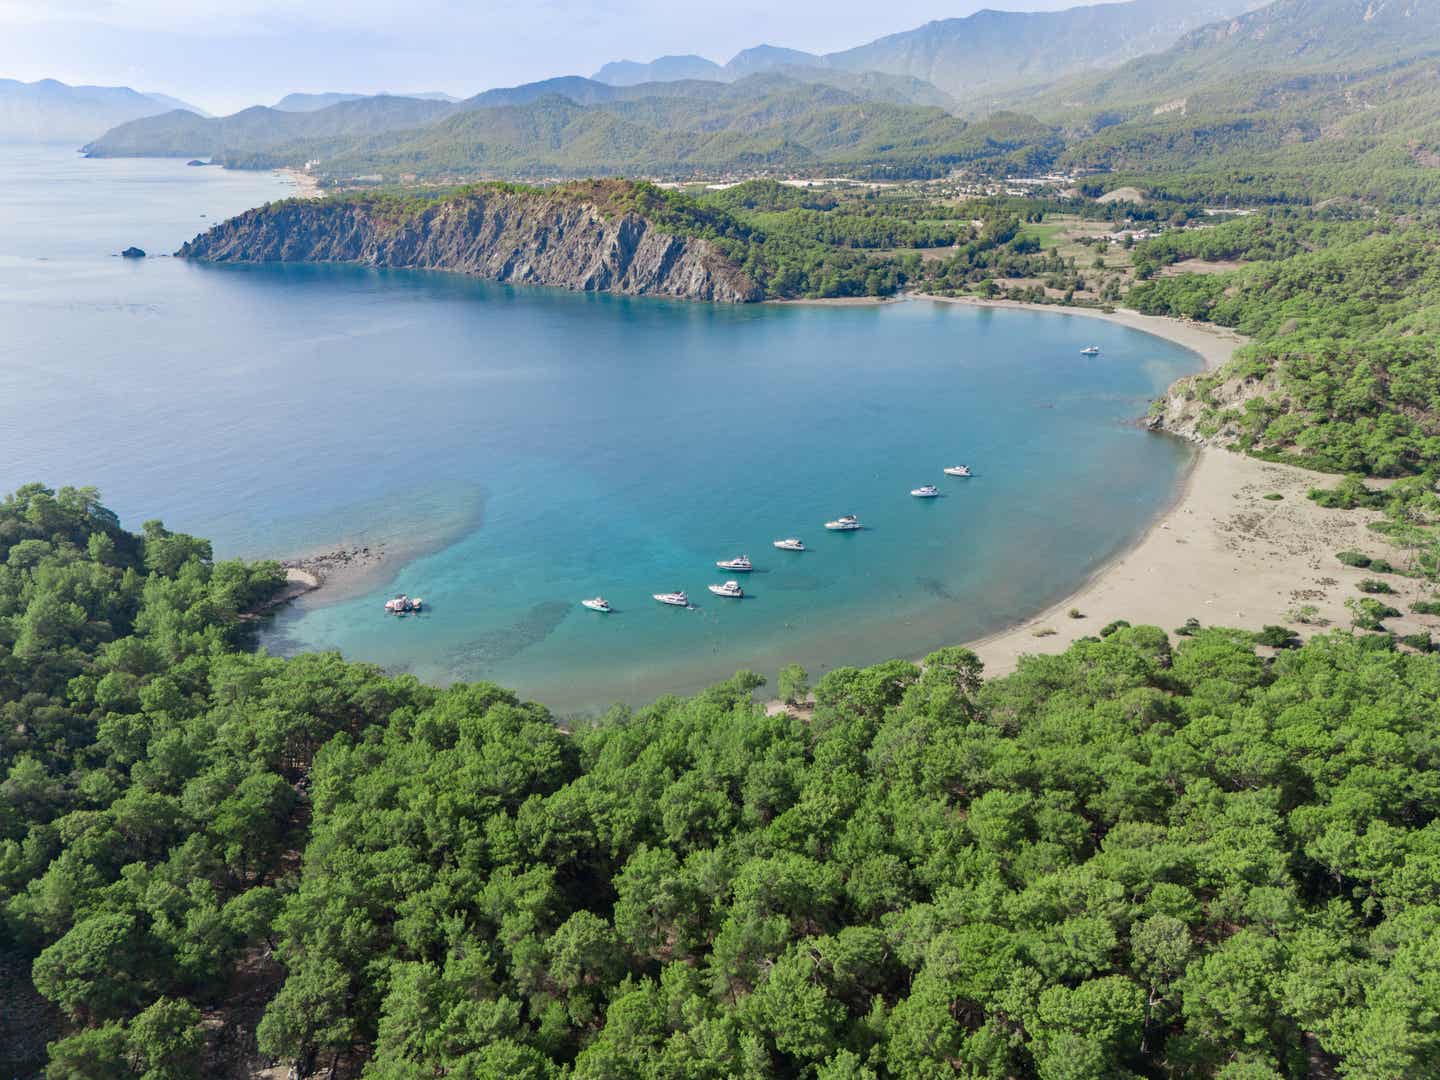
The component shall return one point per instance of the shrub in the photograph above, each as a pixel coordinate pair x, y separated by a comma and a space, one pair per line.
1044, 631
1307, 615
1380, 566
1374, 585
1190, 629
1426, 607
1075, 613
1353, 558
1274, 496
1118, 624
1278, 637
1419, 642
1382, 642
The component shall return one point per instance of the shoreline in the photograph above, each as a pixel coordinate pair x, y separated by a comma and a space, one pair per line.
1214, 344
306, 186
1220, 551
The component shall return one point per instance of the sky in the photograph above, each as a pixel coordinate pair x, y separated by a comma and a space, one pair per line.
225, 54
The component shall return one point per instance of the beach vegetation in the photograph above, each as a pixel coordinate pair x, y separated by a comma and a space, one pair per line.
1357, 559
794, 684
1306, 615
1426, 607
1075, 613
1374, 585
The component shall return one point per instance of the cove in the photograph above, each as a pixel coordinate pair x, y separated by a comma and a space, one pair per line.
521, 449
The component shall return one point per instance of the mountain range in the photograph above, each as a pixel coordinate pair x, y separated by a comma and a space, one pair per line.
47, 110
314, 102
1357, 80
981, 53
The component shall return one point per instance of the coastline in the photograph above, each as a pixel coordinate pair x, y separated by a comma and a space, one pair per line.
1214, 344
1220, 552
306, 186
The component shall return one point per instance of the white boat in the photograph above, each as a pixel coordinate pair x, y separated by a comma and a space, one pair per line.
403, 605
730, 588
1090, 350
959, 470
599, 604
739, 564
845, 523
929, 491
674, 599
792, 543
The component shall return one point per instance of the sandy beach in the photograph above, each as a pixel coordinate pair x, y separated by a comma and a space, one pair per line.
1222, 553
1225, 555
306, 186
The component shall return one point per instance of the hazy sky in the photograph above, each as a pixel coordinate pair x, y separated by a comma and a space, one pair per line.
224, 54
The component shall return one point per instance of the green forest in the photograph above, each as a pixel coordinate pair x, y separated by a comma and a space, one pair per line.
1147, 856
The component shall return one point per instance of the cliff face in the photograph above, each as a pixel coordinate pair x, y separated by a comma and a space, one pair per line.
523, 237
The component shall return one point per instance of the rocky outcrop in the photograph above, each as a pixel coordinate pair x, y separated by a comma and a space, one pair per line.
505, 234
132, 253
1209, 409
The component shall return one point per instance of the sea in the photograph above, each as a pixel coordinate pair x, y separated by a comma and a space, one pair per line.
516, 450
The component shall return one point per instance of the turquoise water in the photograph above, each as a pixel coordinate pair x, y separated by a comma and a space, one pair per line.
534, 447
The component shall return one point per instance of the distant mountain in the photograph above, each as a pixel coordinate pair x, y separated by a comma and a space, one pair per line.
181, 134
665, 69
987, 51
995, 50
1355, 83
48, 110
695, 128
767, 58
314, 102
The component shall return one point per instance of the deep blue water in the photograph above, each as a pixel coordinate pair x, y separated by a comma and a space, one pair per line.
534, 447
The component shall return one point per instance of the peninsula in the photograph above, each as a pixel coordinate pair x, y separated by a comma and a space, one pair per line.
590, 237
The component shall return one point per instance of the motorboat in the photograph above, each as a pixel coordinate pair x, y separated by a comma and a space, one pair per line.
404, 605
599, 604
792, 543
959, 470
1090, 350
845, 523
739, 564
730, 588
674, 599
928, 491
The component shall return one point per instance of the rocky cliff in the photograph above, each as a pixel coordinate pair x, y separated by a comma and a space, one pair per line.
522, 236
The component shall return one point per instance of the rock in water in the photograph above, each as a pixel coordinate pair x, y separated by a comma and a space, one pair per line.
132, 253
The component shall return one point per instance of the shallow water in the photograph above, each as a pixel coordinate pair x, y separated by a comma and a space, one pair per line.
537, 447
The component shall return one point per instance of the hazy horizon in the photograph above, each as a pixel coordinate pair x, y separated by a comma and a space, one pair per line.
223, 57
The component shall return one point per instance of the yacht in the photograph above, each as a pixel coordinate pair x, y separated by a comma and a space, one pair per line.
674, 599
846, 523
959, 470
793, 543
599, 604
404, 605
730, 588
1090, 350
929, 491
739, 564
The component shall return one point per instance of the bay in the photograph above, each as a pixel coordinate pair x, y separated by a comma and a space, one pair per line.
517, 450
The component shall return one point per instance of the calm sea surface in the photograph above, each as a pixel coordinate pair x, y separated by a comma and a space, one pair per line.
526, 448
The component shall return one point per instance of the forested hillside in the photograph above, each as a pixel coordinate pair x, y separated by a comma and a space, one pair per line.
1141, 857
1343, 374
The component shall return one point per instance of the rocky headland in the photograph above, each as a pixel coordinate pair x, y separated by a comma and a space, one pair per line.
587, 237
